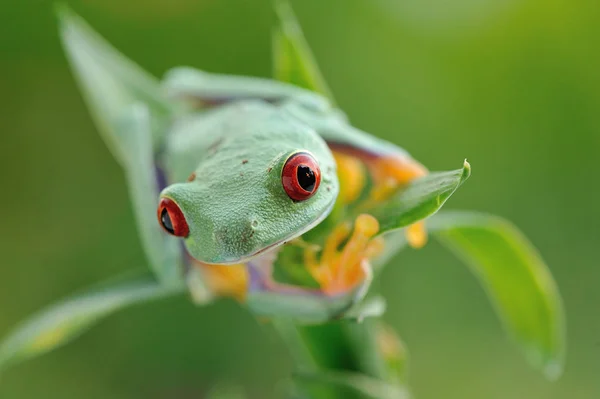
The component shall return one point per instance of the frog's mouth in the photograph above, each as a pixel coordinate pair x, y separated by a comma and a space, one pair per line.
283, 241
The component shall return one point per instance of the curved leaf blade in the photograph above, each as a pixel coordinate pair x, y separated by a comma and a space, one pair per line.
293, 61
62, 322
108, 80
419, 199
515, 278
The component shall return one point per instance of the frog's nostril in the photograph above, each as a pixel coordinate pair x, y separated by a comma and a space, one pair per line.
254, 223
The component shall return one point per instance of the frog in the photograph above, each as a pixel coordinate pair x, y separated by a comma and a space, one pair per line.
256, 163
231, 177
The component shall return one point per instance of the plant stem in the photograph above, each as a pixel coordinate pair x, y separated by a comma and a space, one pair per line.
340, 346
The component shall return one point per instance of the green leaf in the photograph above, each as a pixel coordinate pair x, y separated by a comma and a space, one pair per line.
347, 384
419, 199
293, 61
109, 81
61, 322
163, 251
516, 279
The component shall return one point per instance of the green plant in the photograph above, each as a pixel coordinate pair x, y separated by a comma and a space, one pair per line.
497, 253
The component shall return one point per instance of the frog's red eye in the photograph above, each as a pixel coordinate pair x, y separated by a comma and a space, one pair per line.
171, 218
301, 176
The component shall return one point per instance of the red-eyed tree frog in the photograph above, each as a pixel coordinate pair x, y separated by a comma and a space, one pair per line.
248, 175
233, 178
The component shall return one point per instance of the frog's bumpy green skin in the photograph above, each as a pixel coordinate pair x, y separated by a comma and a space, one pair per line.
236, 141
235, 205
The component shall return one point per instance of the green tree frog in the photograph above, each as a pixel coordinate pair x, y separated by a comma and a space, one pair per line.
233, 179
254, 167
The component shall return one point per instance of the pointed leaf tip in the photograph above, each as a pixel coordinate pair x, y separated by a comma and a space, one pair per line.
466, 170
419, 199
293, 60
108, 80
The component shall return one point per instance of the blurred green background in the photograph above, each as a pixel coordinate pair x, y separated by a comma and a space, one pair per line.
514, 86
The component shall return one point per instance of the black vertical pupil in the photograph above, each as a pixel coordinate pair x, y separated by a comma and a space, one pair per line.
306, 178
165, 219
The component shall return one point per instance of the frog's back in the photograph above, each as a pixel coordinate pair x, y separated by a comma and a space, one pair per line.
232, 133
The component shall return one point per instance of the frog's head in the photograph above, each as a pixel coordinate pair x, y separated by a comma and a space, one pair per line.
252, 194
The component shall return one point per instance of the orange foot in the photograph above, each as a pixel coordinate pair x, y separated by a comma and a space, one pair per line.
339, 270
